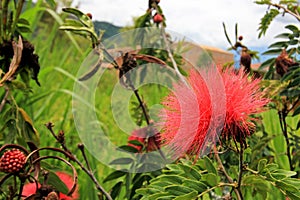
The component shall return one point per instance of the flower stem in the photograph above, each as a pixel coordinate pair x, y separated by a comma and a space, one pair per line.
282, 119
142, 105
230, 180
241, 167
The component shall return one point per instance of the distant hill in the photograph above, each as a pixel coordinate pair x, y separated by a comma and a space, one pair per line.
109, 28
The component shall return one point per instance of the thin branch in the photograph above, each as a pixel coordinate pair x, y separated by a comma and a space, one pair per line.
285, 10
87, 171
142, 106
241, 168
164, 35
230, 180
4, 100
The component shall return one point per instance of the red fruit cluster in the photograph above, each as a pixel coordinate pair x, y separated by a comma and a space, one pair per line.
158, 18
12, 161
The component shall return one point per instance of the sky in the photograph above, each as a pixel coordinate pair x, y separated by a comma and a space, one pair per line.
199, 20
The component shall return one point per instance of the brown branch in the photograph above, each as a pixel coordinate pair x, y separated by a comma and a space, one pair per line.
286, 10
87, 171
230, 180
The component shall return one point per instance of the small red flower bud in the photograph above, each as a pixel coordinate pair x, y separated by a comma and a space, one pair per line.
240, 38
12, 161
89, 15
158, 18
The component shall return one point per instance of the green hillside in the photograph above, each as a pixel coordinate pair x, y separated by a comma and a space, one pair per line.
109, 28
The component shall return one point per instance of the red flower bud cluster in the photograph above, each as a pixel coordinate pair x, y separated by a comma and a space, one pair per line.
12, 161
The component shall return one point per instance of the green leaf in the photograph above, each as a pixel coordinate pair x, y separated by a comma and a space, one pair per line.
295, 82
23, 29
293, 42
227, 37
261, 165
147, 191
172, 178
196, 185
285, 173
84, 19
283, 35
210, 179
161, 196
128, 149
136, 143
115, 191
296, 111
210, 166
267, 63
72, 22
280, 44
79, 30
56, 182
121, 161
29, 132
272, 167
114, 175
178, 190
51, 3
272, 52
23, 21
266, 21
293, 28
285, 186
189, 196
293, 196
291, 92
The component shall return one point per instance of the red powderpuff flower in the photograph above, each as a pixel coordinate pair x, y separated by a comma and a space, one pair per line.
243, 99
188, 113
187, 116
30, 188
148, 136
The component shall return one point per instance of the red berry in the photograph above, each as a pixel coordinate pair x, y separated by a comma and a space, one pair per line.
240, 38
89, 15
158, 18
12, 161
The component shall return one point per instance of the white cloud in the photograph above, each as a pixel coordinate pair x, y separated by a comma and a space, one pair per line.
201, 21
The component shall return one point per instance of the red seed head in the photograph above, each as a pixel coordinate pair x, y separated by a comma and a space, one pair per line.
89, 15
12, 161
158, 18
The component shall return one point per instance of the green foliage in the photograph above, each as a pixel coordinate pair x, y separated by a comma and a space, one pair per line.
287, 6
266, 21
290, 42
83, 25
183, 180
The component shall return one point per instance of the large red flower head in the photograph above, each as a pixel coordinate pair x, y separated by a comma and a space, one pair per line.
30, 188
187, 116
189, 111
243, 99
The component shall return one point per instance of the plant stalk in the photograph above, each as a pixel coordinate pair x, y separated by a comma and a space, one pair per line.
87, 171
230, 180
282, 119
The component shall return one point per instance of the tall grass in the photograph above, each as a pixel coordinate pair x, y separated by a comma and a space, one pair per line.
60, 56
